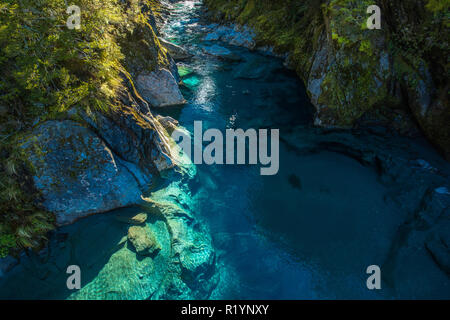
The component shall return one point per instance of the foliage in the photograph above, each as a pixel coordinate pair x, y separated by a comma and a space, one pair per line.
47, 69
413, 34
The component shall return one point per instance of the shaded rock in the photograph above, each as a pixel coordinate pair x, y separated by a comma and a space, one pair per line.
142, 240
439, 248
99, 166
178, 53
77, 173
159, 88
434, 205
221, 52
138, 138
234, 35
257, 68
137, 219
6, 264
430, 108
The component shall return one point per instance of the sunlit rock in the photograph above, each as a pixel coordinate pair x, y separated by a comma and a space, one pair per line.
159, 88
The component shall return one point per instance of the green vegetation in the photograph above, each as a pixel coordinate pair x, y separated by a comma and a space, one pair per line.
295, 26
47, 69
413, 36
288, 26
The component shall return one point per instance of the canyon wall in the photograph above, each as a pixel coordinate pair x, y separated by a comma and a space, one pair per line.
396, 76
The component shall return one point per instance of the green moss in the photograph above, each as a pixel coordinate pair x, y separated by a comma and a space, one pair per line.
47, 69
412, 34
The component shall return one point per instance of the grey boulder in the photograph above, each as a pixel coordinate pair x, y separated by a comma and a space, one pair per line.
77, 173
159, 88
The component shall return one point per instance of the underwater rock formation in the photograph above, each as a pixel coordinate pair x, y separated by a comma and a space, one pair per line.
221, 52
183, 268
143, 240
235, 35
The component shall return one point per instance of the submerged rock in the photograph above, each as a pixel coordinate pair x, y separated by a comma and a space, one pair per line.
159, 88
221, 52
184, 70
143, 240
140, 218
439, 247
7, 264
234, 35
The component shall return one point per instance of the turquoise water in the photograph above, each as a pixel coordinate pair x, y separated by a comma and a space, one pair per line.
308, 232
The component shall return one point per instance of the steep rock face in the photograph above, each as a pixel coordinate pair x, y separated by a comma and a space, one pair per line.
77, 173
354, 74
91, 166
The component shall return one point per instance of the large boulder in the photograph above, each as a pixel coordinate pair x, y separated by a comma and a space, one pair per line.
97, 166
77, 172
178, 53
159, 88
137, 138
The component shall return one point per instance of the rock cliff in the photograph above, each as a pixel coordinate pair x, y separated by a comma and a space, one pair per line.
395, 76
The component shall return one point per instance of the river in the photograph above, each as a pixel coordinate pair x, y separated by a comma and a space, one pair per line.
308, 232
